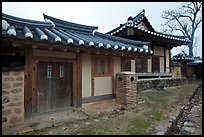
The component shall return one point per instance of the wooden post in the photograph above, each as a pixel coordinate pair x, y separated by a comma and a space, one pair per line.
79, 81
28, 83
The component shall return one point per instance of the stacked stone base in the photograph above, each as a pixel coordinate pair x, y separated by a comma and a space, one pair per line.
126, 90
160, 83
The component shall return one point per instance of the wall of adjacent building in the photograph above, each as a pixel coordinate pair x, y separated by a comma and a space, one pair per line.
86, 75
176, 71
116, 68
102, 85
149, 65
167, 60
12, 98
159, 51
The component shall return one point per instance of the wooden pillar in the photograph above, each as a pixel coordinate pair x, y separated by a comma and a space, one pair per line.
79, 81
28, 83
164, 59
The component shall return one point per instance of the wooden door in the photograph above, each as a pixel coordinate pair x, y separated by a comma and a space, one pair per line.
156, 64
54, 85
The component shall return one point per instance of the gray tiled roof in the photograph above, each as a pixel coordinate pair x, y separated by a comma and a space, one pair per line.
59, 31
182, 56
137, 20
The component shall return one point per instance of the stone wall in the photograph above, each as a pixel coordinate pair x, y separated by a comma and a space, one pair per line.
176, 71
126, 89
12, 98
160, 83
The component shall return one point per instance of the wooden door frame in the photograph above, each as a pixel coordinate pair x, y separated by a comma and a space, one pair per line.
31, 77
54, 60
50, 91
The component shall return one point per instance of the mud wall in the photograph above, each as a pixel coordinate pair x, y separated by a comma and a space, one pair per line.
12, 98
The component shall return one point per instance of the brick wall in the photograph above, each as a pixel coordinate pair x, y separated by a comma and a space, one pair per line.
126, 89
12, 98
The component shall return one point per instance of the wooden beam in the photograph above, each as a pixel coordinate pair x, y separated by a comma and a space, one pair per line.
28, 83
34, 78
65, 50
34, 46
15, 44
164, 59
79, 81
92, 74
56, 54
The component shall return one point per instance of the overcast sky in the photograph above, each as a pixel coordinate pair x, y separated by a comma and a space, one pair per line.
105, 15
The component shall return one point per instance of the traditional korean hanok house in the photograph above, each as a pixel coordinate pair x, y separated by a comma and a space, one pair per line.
195, 69
182, 59
139, 28
57, 65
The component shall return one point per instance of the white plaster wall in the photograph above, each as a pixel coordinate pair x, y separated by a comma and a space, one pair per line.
167, 61
149, 65
116, 68
102, 86
158, 50
142, 25
161, 64
86, 75
132, 65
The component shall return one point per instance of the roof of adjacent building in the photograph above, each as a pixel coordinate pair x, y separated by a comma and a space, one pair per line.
197, 60
55, 30
141, 17
182, 57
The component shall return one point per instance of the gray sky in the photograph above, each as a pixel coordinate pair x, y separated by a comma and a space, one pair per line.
105, 15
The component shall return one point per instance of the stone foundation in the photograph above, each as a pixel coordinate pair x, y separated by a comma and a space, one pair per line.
126, 89
160, 83
12, 98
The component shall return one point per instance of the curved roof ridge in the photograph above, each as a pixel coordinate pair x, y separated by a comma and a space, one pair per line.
71, 24
172, 35
14, 19
142, 13
137, 42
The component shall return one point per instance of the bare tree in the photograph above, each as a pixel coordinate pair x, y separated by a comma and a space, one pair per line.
185, 20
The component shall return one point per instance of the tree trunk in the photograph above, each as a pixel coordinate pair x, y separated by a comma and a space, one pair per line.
190, 46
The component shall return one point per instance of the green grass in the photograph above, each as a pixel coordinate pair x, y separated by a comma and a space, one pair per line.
94, 130
156, 104
139, 125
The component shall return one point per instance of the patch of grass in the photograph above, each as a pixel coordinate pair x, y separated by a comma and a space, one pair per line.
94, 130
138, 126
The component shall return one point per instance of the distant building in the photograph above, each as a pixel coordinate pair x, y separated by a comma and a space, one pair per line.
190, 67
139, 28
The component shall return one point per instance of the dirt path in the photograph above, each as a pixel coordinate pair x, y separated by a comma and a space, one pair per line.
154, 108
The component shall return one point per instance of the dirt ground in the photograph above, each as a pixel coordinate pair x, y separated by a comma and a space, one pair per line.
154, 107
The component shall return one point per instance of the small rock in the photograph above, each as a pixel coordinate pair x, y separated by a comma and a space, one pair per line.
151, 116
87, 123
172, 118
26, 130
160, 133
160, 128
197, 115
75, 125
52, 118
188, 124
96, 120
64, 128
189, 129
105, 117
43, 125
